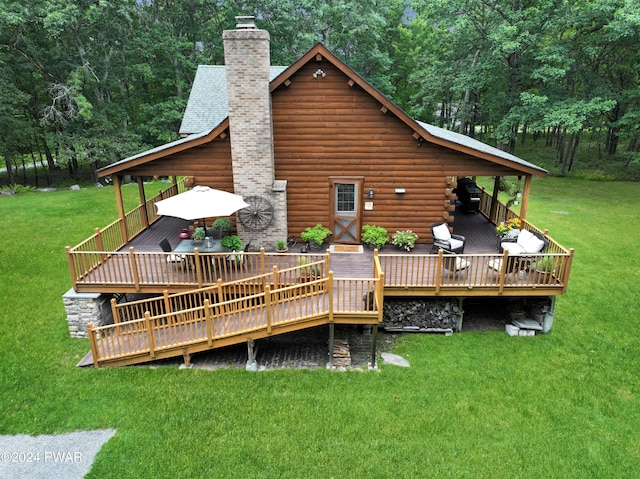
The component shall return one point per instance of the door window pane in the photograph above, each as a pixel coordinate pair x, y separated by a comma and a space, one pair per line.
345, 198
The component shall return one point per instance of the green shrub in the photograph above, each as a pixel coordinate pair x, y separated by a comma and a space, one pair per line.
405, 240
316, 234
199, 233
232, 243
223, 224
375, 236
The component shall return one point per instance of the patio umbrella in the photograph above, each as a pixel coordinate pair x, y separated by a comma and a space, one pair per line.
201, 202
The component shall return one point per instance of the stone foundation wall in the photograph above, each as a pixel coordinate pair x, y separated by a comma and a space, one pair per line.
85, 308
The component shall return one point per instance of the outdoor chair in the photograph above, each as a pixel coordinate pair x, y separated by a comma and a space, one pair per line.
444, 240
172, 258
455, 264
527, 242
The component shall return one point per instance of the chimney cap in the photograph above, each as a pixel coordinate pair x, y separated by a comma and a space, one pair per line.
247, 22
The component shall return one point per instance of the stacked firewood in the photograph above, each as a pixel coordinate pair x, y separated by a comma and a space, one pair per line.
420, 314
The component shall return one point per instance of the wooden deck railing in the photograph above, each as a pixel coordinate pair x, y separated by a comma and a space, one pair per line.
275, 270
160, 331
482, 274
101, 245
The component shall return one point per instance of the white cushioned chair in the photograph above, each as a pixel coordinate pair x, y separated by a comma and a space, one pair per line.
444, 240
455, 264
527, 243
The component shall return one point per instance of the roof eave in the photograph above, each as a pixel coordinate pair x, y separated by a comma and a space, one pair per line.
164, 151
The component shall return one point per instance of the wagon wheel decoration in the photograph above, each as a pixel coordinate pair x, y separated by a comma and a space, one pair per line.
258, 215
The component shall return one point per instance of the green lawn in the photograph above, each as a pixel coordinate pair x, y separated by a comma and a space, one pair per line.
563, 405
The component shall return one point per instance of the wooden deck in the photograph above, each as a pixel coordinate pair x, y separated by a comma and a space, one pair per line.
207, 301
186, 323
141, 266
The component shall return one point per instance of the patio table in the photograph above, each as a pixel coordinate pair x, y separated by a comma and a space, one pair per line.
188, 246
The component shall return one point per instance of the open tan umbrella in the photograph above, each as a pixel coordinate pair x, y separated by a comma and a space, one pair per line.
201, 202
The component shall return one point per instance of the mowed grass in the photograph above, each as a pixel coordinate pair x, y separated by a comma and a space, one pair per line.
562, 405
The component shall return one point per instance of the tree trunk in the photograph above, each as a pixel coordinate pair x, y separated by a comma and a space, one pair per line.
573, 145
51, 164
10, 173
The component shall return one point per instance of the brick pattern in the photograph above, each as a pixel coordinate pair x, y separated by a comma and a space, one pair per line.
251, 131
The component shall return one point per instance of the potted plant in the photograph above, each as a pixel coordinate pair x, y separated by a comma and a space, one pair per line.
223, 224
315, 235
198, 234
545, 265
374, 236
232, 243
281, 246
307, 272
509, 228
405, 240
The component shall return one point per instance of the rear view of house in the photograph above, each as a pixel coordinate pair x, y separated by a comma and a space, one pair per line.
315, 143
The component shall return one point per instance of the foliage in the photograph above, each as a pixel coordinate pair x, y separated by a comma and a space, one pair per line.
315, 234
404, 239
305, 267
232, 243
223, 224
374, 235
546, 264
18, 188
281, 245
505, 226
199, 234
82, 92
508, 416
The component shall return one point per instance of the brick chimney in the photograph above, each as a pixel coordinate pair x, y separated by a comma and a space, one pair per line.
247, 60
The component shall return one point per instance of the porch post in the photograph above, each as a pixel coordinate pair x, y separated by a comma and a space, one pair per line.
331, 343
525, 197
117, 186
143, 202
494, 199
252, 364
374, 333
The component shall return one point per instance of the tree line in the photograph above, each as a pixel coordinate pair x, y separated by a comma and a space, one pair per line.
89, 82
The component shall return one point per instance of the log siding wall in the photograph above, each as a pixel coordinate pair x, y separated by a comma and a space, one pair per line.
323, 127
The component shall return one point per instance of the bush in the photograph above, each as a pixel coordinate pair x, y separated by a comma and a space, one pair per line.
316, 234
375, 236
223, 224
404, 239
199, 233
232, 243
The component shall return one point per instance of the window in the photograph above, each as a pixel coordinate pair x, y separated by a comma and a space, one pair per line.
345, 198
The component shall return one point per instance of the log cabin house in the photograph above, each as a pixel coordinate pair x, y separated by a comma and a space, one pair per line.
305, 144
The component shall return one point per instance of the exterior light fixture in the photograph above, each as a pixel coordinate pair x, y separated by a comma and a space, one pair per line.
400, 191
371, 192
319, 73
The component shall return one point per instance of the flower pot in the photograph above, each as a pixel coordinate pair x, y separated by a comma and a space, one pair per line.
313, 246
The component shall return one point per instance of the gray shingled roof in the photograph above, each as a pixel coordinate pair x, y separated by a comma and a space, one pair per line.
158, 149
207, 105
469, 142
